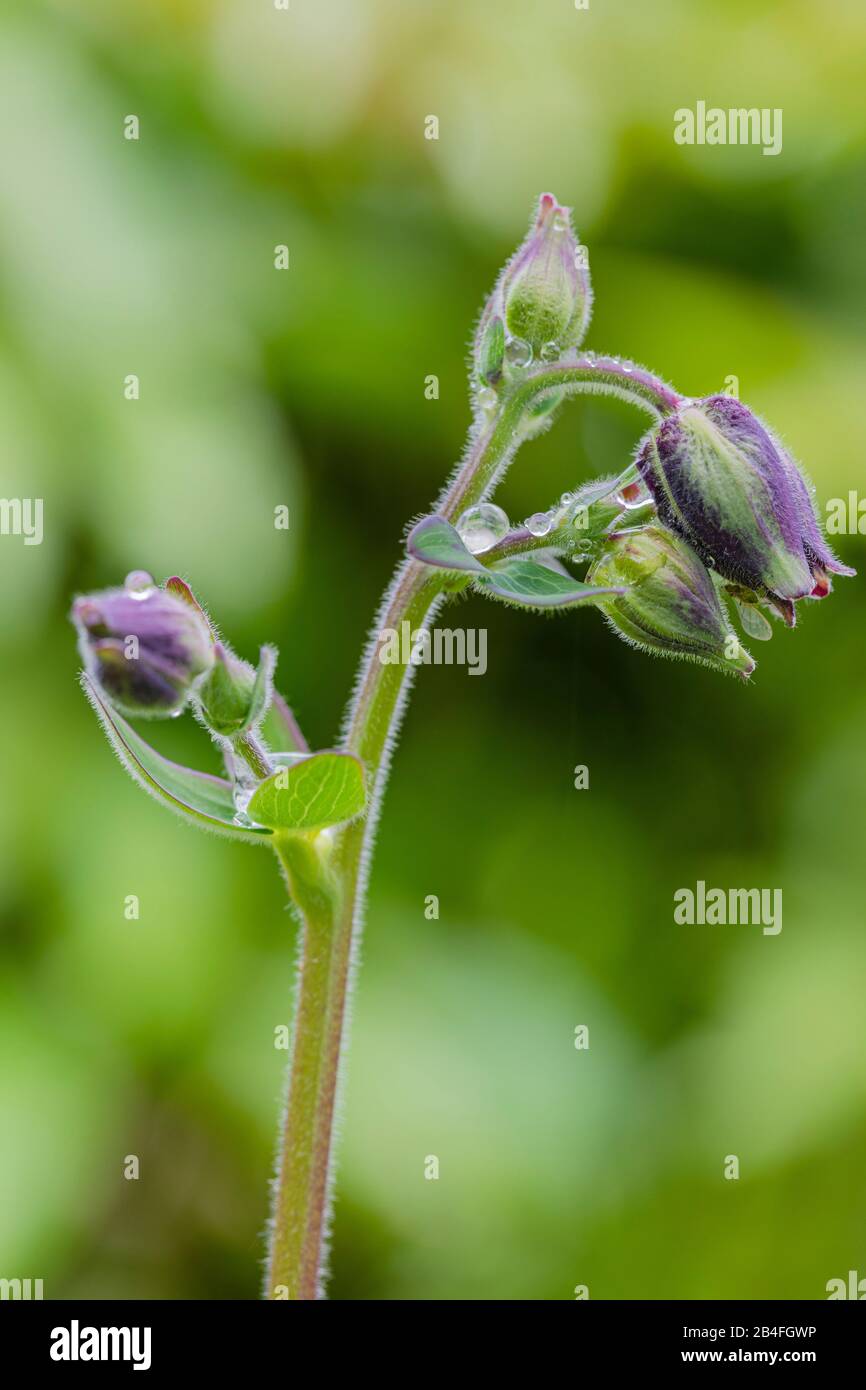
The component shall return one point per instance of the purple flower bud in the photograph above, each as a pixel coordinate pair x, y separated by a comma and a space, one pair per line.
672, 606
724, 483
546, 288
542, 300
142, 646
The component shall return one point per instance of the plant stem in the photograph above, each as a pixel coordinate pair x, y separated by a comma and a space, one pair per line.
332, 906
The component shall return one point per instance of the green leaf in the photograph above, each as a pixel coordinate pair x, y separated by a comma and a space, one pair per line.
435, 542
311, 793
529, 583
203, 800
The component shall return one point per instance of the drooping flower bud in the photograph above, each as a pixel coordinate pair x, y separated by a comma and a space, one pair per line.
724, 483
145, 648
233, 696
546, 291
672, 606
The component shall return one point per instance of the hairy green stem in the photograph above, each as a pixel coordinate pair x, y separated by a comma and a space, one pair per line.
329, 890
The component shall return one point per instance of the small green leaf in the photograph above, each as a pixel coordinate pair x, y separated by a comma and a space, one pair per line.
435, 542
203, 800
530, 583
311, 793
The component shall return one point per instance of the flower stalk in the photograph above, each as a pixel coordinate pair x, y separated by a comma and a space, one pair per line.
331, 930
710, 509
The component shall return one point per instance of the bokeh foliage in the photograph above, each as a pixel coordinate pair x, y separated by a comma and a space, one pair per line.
305, 388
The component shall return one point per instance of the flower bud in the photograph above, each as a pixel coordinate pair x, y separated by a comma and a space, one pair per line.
233, 696
722, 481
545, 288
542, 300
672, 605
142, 646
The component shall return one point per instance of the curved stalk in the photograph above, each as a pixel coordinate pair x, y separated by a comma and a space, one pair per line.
333, 909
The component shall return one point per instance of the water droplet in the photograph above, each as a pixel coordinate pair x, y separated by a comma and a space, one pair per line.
488, 399
481, 527
590, 358
539, 523
550, 352
628, 367
139, 584
518, 352
560, 222
242, 794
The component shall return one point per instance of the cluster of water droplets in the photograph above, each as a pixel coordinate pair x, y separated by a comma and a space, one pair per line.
481, 527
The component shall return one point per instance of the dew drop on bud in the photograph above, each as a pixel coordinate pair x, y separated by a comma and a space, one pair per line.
481, 527
560, 222
487, 398
539, 523
549, 352
139, 584
519, 352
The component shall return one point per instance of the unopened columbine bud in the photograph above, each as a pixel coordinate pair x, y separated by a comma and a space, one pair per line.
233, 696
145, 648
672, 606
724, 483
542, 300
546, 289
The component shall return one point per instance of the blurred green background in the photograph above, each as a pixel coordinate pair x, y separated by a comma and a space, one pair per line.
306, 388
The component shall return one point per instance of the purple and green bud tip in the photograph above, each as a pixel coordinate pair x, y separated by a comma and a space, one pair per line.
542, 301
722, 481
144, 647
672, 606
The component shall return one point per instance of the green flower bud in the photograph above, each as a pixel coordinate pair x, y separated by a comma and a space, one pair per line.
546, 291
233, 696
672, 606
